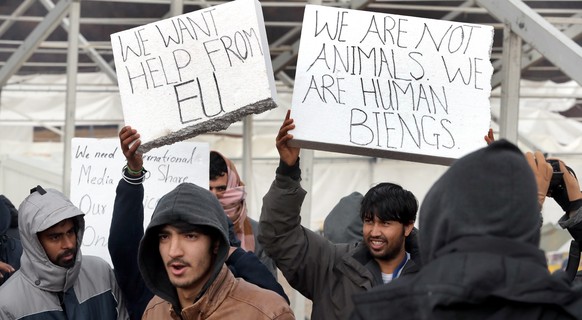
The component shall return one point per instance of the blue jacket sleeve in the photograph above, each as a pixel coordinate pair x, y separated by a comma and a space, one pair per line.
124, 236
247, 265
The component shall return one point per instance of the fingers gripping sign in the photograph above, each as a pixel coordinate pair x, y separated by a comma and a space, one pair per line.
129, 139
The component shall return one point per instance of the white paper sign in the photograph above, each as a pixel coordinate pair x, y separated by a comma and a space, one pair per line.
194, 73
391, 86
96, 170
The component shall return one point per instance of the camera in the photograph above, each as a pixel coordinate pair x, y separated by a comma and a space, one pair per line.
557, 181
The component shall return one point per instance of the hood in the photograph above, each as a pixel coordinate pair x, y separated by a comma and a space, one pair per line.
343, 223
186, 203
491, 192
41, 210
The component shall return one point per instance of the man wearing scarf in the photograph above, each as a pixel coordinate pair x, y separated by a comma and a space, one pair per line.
227, 186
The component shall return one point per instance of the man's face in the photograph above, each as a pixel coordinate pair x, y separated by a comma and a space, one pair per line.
187, 256
218, 185
385, 239
60, 243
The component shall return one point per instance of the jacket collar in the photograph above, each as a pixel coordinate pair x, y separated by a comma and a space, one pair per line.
214, 296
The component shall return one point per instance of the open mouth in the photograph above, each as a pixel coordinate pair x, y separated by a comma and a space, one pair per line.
178, 269
376, 244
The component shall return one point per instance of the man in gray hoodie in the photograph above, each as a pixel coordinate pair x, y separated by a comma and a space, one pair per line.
55, 281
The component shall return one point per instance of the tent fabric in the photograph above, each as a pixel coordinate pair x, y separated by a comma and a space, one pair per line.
27, 101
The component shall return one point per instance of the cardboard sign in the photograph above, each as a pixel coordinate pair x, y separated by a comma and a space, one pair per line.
96, 170
391, 86
194, 73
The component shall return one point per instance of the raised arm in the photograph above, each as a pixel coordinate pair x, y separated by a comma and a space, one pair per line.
302, 255
126, 228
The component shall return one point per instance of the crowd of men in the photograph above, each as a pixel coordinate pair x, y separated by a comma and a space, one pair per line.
475, 253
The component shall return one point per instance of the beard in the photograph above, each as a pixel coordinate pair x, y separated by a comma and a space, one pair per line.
62, 262
392, 248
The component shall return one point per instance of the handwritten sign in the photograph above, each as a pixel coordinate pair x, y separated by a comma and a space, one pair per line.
194, 73
391, 86
96, 170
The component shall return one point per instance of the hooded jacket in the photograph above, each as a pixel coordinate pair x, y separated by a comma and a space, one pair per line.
479, 242
223, 296
328, 274
343, 223
43, 290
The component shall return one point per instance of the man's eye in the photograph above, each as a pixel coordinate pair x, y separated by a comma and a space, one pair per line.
162, 236
191, 236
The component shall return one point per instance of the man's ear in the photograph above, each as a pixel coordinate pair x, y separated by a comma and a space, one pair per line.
408, 228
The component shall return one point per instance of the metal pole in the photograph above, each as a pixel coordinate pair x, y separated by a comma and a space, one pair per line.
247, 156
72, 62
509, 108
176, 7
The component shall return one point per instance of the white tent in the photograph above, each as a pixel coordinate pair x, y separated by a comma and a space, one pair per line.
29, 102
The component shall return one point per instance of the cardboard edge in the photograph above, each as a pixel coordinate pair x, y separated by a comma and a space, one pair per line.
396, 155
210, 125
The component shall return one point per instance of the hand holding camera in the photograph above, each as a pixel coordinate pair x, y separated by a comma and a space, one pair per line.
565, 188
555, 180
542, 172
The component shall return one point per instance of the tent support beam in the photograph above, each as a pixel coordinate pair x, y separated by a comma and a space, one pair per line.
509, 109
91, 52
26, 49
71, 103
558, 48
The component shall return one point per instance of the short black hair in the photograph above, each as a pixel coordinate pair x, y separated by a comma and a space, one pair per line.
389, 202
218, 166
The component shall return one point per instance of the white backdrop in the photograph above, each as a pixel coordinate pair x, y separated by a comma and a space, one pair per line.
24, 164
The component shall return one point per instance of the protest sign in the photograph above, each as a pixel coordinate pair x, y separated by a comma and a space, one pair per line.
391, 86
96, 170
194, 73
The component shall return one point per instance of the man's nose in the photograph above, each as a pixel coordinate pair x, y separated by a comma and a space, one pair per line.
69, 242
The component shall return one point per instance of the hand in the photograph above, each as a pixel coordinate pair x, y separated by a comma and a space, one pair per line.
5, 268
489, 138
129, 139
288, 154
574, 200
543, 173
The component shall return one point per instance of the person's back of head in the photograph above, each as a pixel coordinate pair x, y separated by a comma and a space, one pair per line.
488, 193
343, 223
187, 208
